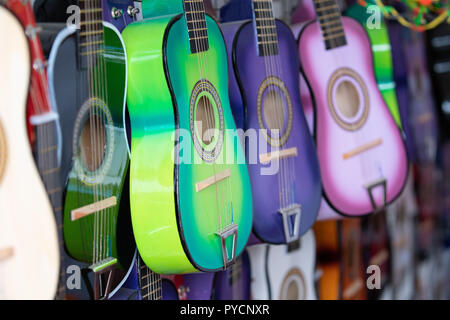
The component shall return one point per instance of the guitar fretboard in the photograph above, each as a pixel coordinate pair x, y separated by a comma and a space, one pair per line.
194, 11
329, 17
149, 282
91, 27
266, 29
47, 162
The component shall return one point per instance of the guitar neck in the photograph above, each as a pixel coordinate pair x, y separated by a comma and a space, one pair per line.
194, 11
149, 282
265, 26
329, 18
91, 28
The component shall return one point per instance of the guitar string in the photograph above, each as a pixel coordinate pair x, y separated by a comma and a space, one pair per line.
368, 166
265, 52
83, 90
108, 212
266, 21
268, 70
200, 16
197, 18
289, 172
93, 90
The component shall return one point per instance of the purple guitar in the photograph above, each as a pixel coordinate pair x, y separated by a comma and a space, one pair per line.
361, 151
265, 100
120, 13
143, 284
234, 283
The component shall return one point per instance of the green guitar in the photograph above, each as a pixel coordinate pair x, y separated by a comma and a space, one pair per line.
87, 74
382, 55
191, 204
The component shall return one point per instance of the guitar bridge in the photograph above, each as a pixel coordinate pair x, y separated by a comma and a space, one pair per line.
230, 231
103, 272
291, 221
380, 182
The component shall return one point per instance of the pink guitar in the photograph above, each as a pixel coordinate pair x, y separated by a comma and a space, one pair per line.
361, 151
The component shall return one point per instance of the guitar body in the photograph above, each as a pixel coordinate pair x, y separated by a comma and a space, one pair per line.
354, 129
184, 222
28, 235
234, 283
107, 232
281, 274
252, 87
43, 126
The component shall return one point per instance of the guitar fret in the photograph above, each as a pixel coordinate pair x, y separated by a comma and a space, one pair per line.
340, 34
87, 23
198, 33
88, 33
325, 8
270, 24
331, 22
326, 16
91, 43
91, 10
53, 191
199, 38
48, 149
268, 42
50, 171
330, 30
266, 27
94, 52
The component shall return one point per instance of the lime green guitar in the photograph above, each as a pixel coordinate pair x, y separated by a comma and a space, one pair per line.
191, 204
382, 55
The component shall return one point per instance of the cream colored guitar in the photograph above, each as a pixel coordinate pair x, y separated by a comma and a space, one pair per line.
29, 256
282, 272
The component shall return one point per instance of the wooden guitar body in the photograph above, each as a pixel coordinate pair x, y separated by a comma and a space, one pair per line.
29, 255
282, 273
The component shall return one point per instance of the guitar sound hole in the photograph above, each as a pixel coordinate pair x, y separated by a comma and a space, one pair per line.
274, 111
206, 120
93, 143
292, 291
347, 99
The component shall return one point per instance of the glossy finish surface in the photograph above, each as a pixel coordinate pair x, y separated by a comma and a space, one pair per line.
93, 237
296, 180
345, 179
165, 207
